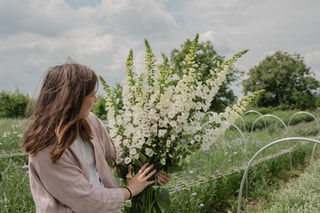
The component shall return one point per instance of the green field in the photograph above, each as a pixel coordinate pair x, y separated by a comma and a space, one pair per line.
211, 181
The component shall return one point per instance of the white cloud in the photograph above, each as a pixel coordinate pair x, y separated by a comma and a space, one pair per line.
313, 57
138, 18
312, 60
97, 45
37, 34
216, 38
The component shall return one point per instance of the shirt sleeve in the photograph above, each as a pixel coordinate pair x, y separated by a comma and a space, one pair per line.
68, 184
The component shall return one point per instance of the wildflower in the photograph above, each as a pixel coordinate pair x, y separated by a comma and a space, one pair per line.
194, 193
201, 205
199, 164
217, 171
176, 190
206, 153
25, 167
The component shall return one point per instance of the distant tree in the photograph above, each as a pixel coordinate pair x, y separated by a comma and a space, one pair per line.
207, 59
287, 81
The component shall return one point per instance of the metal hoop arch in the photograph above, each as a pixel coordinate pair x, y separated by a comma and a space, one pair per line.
308, 113
257, 153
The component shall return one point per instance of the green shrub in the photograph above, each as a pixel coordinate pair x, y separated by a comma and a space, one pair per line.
99, 108
13, 105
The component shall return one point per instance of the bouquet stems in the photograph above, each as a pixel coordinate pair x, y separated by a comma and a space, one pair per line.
154, 199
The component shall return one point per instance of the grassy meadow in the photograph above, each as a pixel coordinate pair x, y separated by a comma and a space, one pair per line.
211, 180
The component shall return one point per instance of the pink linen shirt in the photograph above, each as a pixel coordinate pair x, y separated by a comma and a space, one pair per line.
64, 186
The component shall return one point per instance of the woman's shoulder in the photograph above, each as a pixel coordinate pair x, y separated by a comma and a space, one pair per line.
92, 116
94, 121
42, 156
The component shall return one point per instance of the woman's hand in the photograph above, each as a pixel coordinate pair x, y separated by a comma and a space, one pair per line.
163, 178
140, 181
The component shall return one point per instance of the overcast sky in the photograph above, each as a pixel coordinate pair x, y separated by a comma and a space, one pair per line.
38, 34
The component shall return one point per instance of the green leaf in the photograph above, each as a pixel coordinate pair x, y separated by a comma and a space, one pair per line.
162, 198
142, 157
176, 168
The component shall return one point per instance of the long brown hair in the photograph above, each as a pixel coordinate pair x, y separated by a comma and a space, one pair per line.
56, 119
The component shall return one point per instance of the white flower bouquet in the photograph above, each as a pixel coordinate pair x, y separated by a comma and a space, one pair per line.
160, 117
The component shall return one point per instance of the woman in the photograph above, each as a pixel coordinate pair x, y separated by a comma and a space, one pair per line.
69, 147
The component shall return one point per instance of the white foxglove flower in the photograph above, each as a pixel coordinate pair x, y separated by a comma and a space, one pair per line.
149, 152
136, 157
171, 114
146, 134
163, 161
197, 137
173, 123
133, 151
158, 108
178, 129
127, 160
152, 111
162, 132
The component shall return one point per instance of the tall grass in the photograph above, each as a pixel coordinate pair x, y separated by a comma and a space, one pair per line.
15, 195
14, 186
299, 195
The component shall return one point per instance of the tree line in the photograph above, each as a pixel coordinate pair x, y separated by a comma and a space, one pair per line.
15, 104
287, 83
